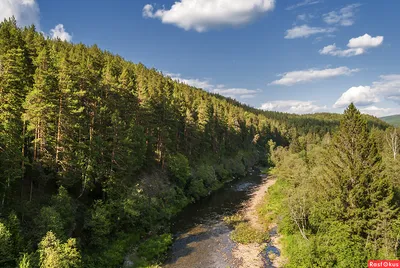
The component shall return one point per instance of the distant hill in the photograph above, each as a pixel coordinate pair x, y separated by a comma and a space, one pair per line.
393, 120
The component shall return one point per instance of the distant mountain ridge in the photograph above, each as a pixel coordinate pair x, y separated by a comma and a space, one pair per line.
393, 120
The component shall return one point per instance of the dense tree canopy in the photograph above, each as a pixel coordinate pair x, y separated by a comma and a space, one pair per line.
97, 153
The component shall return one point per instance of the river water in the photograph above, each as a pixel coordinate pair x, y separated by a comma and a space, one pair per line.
201, 236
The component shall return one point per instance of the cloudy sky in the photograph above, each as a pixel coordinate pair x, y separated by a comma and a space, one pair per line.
298, 56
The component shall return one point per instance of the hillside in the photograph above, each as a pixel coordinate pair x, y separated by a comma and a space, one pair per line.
392, 120
97, 153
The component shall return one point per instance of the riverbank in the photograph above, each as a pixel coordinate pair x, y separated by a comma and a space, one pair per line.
250, 255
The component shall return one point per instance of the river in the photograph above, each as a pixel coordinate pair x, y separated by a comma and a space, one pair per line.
201, 236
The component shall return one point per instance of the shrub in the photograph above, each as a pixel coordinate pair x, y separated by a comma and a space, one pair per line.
178, 168
245, 234
234, 219
154, 249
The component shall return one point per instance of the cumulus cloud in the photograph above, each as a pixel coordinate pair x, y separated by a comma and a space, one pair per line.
379, 112
242, 93
365, 41
304, 3
292, 106
305, 17
362, 95
203, 15
26, 12
357, 46
59, 33
304, 76
235, 91
204, 84
343, 17
388, 87
333, 50
305, 31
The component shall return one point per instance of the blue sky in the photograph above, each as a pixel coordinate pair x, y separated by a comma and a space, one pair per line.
299, 56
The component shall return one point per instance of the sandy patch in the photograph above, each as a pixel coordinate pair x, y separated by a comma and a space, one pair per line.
248, 256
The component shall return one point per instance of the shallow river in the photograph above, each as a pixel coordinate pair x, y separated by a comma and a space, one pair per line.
201, 236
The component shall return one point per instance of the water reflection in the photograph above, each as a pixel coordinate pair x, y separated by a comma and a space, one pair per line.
201, 237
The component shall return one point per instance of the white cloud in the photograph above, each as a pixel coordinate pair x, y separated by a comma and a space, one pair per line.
343, 17
302, 17
305, 17
297, 77
357, 46
304, 3
333, 50
365, 41
59, 33
361, 95
235, 91
205, 84
387, 88
249, 96
26, 12
293, 106
305, 31
380, 112
202, 15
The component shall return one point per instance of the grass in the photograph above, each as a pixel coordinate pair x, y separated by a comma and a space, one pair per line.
273, 202
234, 219
246, 234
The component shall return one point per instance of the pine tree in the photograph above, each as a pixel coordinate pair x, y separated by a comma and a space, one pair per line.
13, 88
41, 113
53, 253
361, 191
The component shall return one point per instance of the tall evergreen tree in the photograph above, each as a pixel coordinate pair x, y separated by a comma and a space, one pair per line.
362, 194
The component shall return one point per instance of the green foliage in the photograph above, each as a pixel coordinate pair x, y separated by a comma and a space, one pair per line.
197, 188
6, 249
49, 220
154, 249
206, 173
79, 125
393, 120
24, 262
64, 205
273, 203
178, 167
100, 224
333, 201
234, 219
53, 253
244, 233
114, 254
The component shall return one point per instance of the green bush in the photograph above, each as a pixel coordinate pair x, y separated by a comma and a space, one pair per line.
6, 250
207, 174
49, 220
178, 168
222, 173
234, 219
245, 234
114, 254
154, 249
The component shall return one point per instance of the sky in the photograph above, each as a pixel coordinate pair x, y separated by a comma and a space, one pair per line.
297, 56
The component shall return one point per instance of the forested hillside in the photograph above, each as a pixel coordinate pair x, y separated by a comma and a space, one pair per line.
336, 200
98, 153
393, 120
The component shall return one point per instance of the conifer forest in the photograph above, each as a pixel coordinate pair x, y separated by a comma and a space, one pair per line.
99, 154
